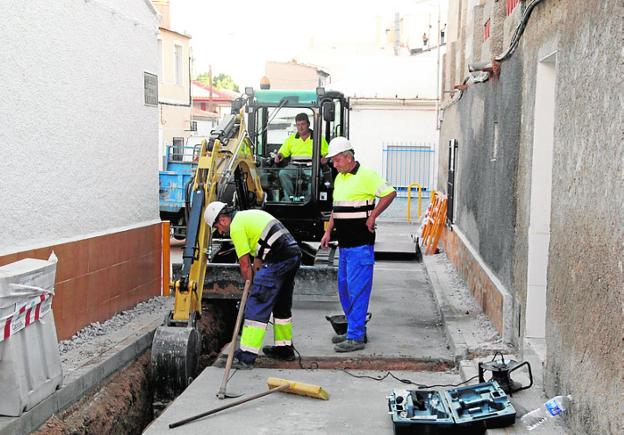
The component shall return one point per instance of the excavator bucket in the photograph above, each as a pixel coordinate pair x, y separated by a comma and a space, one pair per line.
175, 354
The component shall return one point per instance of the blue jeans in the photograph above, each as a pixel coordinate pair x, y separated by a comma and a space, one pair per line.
355, 282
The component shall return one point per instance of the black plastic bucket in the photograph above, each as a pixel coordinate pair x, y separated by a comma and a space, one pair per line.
339, 322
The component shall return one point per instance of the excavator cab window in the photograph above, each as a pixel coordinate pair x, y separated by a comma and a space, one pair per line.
289, 181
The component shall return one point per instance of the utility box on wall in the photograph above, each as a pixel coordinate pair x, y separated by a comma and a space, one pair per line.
30, 364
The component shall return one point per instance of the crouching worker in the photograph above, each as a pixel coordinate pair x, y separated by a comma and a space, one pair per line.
276, 259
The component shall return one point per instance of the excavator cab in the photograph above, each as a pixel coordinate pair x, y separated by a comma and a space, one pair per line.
298, 193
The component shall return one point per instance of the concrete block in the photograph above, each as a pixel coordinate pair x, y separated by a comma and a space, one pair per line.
30, 364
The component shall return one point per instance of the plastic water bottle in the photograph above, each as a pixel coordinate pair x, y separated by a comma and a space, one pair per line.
548, 411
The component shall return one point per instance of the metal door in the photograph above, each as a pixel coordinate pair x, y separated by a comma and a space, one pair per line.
450, 186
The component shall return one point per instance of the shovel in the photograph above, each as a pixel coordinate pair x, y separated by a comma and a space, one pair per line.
222, 394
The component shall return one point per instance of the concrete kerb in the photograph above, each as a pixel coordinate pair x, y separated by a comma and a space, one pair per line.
81, 381
437, 277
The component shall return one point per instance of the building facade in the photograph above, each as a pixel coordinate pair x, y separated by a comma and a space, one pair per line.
174, 83
532, 113
295, 75
210, 105
80, 178
174, 89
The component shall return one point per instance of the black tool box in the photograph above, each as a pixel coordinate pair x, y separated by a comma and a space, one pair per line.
470, 409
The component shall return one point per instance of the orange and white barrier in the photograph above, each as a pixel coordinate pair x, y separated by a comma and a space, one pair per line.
433, 223
25, 315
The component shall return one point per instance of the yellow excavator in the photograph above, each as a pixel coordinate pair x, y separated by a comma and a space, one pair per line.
226, 170
236, 165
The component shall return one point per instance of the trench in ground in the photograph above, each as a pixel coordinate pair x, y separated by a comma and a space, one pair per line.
125, 403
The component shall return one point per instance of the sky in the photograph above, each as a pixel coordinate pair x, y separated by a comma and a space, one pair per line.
237, 38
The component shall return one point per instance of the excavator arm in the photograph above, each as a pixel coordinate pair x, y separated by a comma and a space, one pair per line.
226, 164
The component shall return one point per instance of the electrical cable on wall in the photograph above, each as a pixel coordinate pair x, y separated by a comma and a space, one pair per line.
515, 39
483, 69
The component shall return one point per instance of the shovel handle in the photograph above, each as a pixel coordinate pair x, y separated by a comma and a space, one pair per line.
230, 405
230, 358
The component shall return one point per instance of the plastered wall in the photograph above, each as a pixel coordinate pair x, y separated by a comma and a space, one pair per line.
371, 127
79, 145
585, 295
585, 272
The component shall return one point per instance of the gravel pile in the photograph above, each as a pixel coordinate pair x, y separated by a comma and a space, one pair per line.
485, 334
97, 337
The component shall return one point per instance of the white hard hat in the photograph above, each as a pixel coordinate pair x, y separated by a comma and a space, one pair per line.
212, 211
338, 145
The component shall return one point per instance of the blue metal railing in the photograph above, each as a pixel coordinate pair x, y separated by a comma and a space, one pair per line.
406, 163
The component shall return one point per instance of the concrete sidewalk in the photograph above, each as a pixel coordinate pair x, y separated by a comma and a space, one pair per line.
405, 321
355, 406
405, 332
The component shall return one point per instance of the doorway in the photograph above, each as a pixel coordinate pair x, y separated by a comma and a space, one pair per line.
540, 203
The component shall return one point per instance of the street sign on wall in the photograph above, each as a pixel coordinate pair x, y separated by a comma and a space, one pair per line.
150, 89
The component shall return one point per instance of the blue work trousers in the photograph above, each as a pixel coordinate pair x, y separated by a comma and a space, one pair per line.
271, 292
355, 282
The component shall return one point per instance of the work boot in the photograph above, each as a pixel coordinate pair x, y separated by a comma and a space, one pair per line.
282, 353
349, 346
339, 338
236, 363
241, 365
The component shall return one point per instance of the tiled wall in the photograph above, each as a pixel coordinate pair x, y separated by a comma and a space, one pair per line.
477, 280
101, 276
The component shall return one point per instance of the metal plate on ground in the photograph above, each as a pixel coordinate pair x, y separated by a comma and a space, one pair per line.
224, 281
397, 250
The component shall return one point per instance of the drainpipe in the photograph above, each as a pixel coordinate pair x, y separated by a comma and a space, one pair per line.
438, 76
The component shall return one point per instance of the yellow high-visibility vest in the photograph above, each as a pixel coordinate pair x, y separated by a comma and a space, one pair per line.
299, 149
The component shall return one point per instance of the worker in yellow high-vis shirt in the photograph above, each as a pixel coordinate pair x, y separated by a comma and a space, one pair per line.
276, 259
299, 148
354, 213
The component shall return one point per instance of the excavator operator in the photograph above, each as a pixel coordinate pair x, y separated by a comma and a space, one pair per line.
298, 146
277, 258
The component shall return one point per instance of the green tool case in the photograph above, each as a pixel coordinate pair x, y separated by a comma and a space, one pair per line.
465, 410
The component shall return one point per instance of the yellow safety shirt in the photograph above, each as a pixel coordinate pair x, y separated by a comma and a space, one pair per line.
354, 199
299, 149
259, 234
